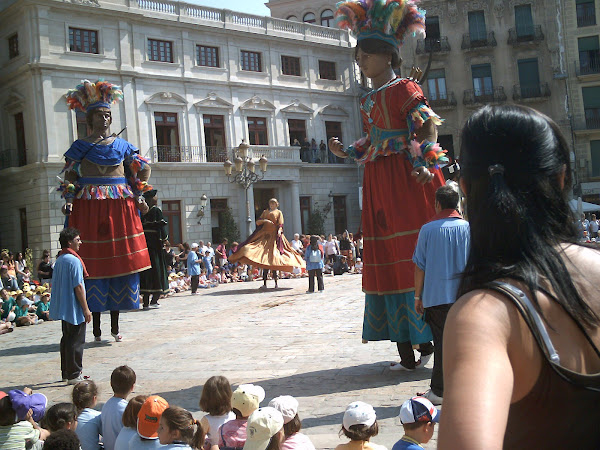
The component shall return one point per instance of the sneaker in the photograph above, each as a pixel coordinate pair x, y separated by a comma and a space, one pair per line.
425, 359
97, 339
118, 337
155, 305
145, 307
396, 366
309, 292
434, 399
76, 380
321, 291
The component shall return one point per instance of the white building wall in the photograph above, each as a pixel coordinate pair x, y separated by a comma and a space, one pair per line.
36, 81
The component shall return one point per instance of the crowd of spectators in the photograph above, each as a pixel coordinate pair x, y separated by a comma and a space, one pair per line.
234, 419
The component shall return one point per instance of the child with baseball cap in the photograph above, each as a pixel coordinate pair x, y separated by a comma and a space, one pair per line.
359, 425
418, 417
244, 401
148, 422
293, 439
265, 430
19, 412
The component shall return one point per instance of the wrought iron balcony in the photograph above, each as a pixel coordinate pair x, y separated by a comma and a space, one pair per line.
589, 66
425, 46
472, 42
530, 91
521, 35
586, 17
11, 157
442, 100
483, 96
592, 118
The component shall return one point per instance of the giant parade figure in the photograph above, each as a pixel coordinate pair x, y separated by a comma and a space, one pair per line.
104, 180
401, 174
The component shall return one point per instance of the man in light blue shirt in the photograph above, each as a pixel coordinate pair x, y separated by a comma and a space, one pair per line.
193, 267
68, 304
440, 257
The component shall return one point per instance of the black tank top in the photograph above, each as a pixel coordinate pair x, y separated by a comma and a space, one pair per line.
562, 410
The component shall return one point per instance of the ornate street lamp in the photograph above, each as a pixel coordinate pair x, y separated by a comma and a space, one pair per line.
245, 174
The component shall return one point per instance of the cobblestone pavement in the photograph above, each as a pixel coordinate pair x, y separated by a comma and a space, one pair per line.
287, 341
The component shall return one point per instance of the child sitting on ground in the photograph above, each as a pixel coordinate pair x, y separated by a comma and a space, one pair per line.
23, 316
265, 429
178, 429
9, 305
122, 381
89, 424
63, 440
173, 286
293, 439
216, 401
129, 420
418, 417
62, 416
19, 412
43, 307
244, 401
358, 266
359, 425
148, 421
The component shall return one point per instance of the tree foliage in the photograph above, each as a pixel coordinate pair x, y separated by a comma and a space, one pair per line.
316, 222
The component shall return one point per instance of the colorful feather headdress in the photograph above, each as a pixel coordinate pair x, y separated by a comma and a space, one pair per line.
385, 20
88, 95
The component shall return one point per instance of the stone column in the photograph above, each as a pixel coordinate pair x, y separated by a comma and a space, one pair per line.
295, 208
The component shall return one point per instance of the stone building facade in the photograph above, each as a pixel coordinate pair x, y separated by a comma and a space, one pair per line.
581, 57
196, 81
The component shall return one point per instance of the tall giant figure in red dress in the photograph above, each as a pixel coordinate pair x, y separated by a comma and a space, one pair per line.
400, 157
104, 179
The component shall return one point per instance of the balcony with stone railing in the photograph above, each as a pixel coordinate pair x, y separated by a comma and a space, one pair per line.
525, 35
11, 157
426, 46
484, 96
200, 154
226, 19
478, 41
445, 100
531, 92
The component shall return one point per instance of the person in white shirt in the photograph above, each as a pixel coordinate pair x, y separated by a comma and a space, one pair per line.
297, 243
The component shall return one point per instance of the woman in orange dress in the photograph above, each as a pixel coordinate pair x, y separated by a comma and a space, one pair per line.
267, 248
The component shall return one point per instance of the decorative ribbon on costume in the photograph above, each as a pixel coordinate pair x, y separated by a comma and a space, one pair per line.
135, 164
69, 251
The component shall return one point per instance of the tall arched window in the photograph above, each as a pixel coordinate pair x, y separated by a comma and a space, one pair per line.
294, 18
309, 18
327, 18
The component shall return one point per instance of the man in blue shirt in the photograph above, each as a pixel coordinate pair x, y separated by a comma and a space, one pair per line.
68, 303
193, 267
440, 257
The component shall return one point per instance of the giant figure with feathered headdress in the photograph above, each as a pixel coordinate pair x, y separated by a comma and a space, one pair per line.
400, 156
104, 179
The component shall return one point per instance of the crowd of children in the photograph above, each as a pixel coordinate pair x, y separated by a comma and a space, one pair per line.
234, 420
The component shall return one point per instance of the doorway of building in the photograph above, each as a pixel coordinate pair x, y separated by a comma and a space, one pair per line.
261, 200
167, 137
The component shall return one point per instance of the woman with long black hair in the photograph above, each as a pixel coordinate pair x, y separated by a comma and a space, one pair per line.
521, 343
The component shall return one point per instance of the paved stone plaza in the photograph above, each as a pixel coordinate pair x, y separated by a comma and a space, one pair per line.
287, 341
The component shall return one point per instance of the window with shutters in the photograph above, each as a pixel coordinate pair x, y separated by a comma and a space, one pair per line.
327, 70
589, 55
482, 80
591, 105
257, 131
290, 65
477, 31
586, 13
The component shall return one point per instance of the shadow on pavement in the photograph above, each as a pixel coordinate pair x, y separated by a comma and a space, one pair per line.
250, 291
312, 384
383, 412
30, 349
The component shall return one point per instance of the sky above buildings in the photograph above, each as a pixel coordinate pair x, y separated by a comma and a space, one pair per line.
248, 6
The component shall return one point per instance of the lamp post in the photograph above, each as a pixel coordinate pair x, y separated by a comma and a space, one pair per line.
245, 174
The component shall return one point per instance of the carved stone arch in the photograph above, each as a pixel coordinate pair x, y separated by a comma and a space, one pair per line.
14, 101
257, 104
166, 98
297, 107
334, 110
213, 101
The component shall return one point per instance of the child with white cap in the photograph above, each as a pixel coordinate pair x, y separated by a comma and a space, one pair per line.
418, 417
244, 401
359, 425
265, 430
288, 407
